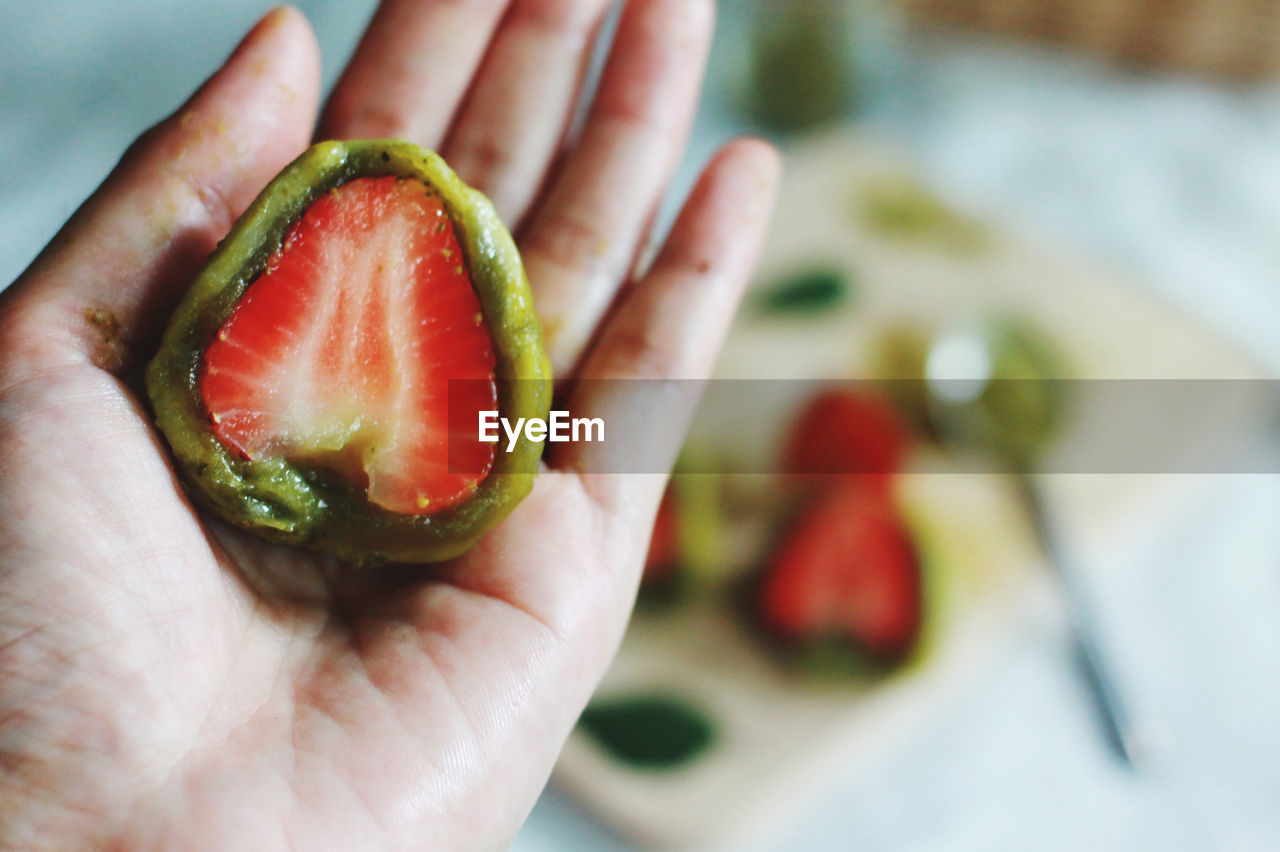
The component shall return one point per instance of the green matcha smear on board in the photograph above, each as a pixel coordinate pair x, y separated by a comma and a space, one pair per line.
809, 291
648, 731
901, 209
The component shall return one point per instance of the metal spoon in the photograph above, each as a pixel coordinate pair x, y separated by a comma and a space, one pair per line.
994, 388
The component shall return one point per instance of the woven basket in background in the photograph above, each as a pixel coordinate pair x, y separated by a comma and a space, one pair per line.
1225, 38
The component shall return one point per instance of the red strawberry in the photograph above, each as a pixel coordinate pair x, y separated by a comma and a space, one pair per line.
842, 431
845, 569
664, 544
340, 354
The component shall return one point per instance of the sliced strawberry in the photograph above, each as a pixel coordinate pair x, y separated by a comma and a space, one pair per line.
341, 353
664, 545
847, 432
846, 569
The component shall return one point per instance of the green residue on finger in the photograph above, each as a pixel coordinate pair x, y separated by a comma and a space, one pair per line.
648, 731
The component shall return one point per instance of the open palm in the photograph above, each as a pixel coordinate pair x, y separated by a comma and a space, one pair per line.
167, 681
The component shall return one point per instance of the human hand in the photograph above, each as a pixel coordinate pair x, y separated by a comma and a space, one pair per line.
168, 681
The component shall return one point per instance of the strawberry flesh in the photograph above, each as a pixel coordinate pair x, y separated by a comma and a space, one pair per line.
846, 432
846, 569
340, 355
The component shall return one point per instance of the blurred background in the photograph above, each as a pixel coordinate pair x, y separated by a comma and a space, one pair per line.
1140, 136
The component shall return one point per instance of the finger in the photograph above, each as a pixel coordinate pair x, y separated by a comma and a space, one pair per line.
410, 71
583, 238
111, 276
519, 108
643, 376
